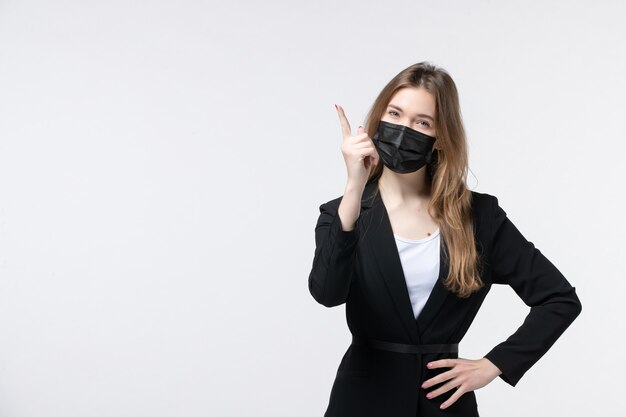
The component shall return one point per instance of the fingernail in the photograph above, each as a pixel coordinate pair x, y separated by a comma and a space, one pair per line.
336, 106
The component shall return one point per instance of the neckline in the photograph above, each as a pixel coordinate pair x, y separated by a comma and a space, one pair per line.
426, 239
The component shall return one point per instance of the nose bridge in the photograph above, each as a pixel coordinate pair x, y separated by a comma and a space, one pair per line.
406, 121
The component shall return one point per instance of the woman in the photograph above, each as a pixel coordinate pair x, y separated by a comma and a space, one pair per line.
413, 253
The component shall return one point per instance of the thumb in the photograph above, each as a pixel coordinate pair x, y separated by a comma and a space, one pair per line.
360, 130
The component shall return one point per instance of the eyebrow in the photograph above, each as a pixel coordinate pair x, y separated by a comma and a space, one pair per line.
418, 115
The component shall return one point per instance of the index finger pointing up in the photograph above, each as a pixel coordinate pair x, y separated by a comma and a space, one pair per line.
345, 125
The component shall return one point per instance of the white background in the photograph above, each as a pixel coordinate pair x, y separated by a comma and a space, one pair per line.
162, 165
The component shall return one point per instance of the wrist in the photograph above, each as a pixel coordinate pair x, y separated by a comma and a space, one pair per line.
494, 369
354, 187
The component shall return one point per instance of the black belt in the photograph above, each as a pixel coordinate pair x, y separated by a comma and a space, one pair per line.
404, 348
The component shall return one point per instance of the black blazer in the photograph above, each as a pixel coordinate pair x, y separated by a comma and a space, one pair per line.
362, 269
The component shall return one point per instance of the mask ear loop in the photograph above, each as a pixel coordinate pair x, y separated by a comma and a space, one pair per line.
432, 164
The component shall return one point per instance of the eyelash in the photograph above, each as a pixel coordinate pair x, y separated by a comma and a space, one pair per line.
393, 111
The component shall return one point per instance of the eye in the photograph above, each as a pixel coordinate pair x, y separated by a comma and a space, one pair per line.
393, 111
426, 124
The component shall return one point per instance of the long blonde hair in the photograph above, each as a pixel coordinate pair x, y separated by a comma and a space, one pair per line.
450, 203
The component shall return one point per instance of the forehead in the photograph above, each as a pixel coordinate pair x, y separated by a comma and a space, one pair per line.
414, 100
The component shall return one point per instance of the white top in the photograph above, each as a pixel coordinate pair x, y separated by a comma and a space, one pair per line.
420, 263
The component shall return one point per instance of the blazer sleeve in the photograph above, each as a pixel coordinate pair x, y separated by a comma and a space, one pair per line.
333, 261
553, 302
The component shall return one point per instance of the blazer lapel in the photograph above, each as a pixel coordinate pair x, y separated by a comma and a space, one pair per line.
378, 236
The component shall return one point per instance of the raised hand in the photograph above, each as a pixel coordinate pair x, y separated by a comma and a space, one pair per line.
358, 151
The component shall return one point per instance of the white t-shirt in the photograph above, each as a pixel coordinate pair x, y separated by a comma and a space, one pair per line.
420, 263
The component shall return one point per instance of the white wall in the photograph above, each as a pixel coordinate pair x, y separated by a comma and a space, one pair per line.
162, 165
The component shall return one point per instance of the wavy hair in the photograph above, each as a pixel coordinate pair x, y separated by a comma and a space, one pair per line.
450, 203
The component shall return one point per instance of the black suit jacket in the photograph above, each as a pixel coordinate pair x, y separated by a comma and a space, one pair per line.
362, 269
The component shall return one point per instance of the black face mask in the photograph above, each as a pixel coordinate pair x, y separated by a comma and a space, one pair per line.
401, 148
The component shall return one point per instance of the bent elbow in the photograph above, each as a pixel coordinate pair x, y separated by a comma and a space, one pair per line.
332, 302
572, 307
321, 296
315, 290
579, 306
325, 300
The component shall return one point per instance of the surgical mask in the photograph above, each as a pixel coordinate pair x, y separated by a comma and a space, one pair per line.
401, 148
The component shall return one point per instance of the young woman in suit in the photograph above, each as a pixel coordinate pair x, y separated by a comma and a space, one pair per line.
412, 252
